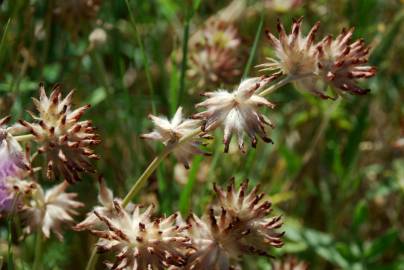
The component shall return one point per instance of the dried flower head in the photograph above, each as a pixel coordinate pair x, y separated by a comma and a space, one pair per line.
214, 54
238, 225
97, 37
73, 14
49, 210
290, 263
341, 63
106, 208
237, 112
63, 138
295, 55
139, 241
170, 132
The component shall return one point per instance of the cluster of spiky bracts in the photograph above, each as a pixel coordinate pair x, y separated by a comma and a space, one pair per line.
214, 54
299, 59
64, 139
331, 62
236, 225
58, 133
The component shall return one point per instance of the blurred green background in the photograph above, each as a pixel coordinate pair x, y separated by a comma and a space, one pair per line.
335, 172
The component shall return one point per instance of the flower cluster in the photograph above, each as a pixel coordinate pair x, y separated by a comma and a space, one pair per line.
238, 224
59, 134
214, 54
334, 62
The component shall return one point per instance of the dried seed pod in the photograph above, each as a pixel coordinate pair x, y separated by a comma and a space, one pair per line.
63, 138
139, 241
236, 226
170, 132
49, 210
237, 112
341, 63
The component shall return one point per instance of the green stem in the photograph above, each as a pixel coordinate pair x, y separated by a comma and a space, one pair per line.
92, 260
184, 58
24, 138
276, 86
38, 251
254, 47
100, 71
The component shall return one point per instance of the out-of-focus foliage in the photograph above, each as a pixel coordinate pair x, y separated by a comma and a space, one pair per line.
335, 172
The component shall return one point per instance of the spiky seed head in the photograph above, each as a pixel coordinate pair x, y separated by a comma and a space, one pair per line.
295, 54
139, 241
105, 208
341, 62
64, 139
237, 225
237, 112
169, 132
50, 210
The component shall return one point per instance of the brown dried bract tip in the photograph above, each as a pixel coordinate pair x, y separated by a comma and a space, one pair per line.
63, 137
235, 226
290, 263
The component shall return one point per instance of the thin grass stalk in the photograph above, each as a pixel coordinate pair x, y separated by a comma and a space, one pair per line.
93, 259
184, 58
144, 55
3, 37
254, 47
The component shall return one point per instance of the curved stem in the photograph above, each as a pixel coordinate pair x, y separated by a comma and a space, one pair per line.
92, 260
276, 86
24, 138
38, 251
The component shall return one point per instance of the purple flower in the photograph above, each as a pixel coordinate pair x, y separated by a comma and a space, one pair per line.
13, 165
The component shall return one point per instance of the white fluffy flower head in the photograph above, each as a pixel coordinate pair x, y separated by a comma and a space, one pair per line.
238, 112
169, 132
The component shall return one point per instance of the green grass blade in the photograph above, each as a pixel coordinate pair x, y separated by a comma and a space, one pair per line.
185, 196
254, 47
144, 56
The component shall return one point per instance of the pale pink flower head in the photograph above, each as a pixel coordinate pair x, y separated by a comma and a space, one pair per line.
341, 63
169, 132
295, 54
49, 211
236, 226
105, 208
214, 54
64, 139
139, 241
237, 112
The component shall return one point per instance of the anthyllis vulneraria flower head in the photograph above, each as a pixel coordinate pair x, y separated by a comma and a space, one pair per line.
49, 210
214, 54
106, 208
141, 242
341, 63
73, 14
63, 137
237, 112
169, 132
237, 225
295, 55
